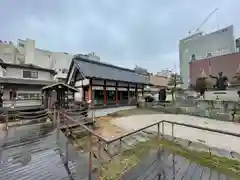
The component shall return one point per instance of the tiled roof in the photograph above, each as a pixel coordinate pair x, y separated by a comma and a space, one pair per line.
95, 69
24, 81
26, 66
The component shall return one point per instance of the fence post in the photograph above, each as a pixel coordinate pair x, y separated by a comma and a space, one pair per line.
120, 146
172, 132
58, 125
66, 155
90, 157
100, 159
54, 117
162, 130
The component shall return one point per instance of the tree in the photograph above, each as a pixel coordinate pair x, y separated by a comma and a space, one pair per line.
173, 82
201, 85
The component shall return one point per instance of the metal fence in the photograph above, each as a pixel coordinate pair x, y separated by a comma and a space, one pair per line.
89, 164
159, 131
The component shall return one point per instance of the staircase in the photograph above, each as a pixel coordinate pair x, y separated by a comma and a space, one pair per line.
79, 112
37, 113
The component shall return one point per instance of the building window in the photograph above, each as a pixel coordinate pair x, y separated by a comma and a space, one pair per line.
30, 74
28, 96
21, 45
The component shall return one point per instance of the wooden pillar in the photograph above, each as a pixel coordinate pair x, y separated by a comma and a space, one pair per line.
90, 91
104, 94
116, 94
136, 92
128, 95
83, 94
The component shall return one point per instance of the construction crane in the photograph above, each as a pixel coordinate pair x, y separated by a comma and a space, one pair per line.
205, 20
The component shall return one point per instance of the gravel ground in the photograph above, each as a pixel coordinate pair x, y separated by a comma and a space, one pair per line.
211, 139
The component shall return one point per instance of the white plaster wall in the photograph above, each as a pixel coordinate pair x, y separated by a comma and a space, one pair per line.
17, 73
78, 95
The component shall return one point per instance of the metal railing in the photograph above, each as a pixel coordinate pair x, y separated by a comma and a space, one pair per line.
158, 128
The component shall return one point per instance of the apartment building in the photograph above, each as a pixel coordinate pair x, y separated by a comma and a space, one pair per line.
200, 46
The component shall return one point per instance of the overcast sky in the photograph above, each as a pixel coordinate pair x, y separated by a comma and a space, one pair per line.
121, 32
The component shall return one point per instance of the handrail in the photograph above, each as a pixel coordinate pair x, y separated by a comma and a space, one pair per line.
151, 125
132, 132
87, 128
203, 128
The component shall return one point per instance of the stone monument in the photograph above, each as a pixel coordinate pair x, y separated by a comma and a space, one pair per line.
221, 81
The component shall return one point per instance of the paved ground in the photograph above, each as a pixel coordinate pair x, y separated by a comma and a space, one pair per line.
212, 139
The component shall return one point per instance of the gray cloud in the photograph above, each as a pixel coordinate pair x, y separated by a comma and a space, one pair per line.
122, 32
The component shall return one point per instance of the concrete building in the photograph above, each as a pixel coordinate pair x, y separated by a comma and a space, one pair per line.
165, 73
200, 46
25, 52
58, 61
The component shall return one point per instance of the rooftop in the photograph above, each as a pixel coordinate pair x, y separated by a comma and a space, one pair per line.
96, 69
25, 66
24, 81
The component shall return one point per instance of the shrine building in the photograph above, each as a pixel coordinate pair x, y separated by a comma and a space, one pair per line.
104, 84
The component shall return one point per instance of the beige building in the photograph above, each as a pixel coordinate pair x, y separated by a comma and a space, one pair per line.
25, 52
158, 82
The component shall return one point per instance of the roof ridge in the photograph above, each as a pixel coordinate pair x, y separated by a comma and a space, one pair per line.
81, 58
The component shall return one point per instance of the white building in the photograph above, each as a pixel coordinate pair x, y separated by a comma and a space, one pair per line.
25, 81
200, 46
25, 52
